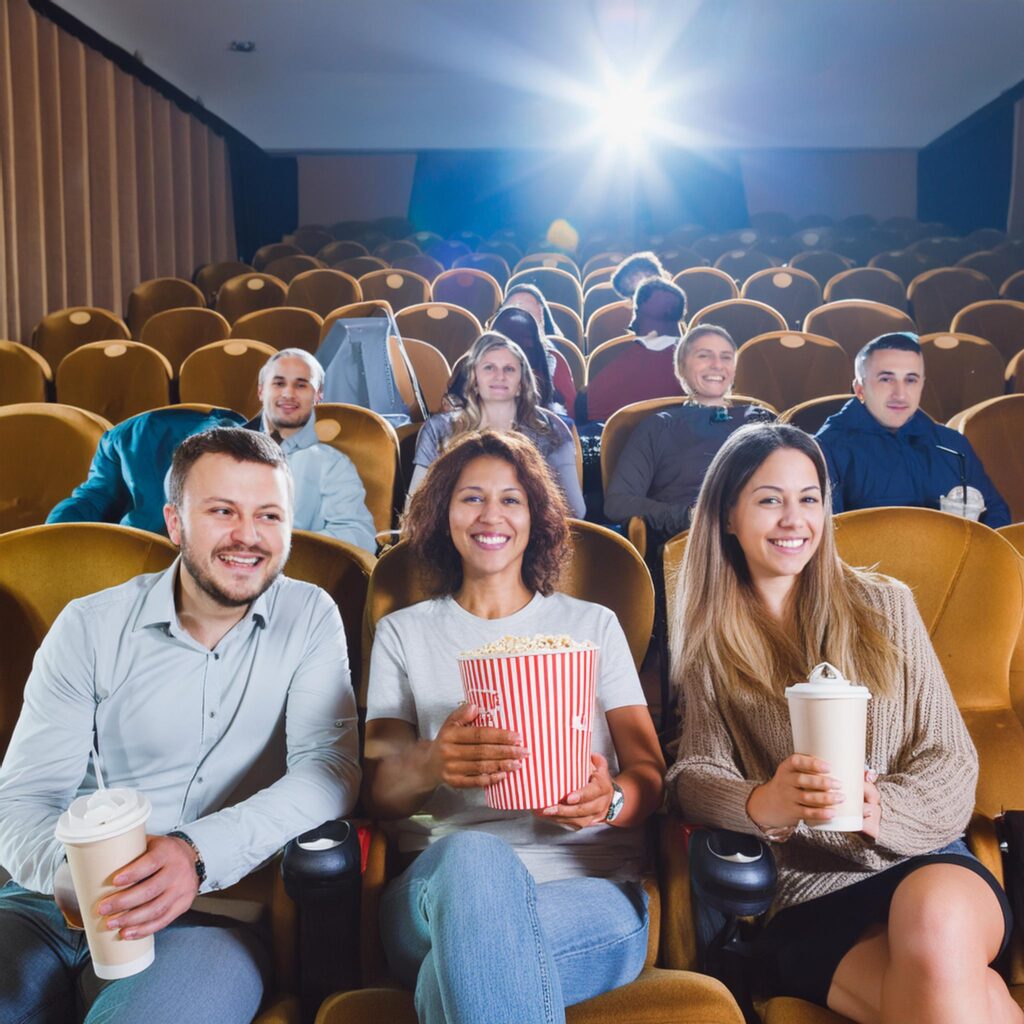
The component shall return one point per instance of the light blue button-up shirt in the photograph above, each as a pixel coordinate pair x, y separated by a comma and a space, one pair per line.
244, 747
329, 496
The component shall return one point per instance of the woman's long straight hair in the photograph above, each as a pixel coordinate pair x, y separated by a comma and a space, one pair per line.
719, 622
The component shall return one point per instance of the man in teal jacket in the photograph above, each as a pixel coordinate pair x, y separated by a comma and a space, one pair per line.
882, 450
126, 479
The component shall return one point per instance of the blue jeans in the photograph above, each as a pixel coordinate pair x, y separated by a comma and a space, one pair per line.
468, 929
207, 969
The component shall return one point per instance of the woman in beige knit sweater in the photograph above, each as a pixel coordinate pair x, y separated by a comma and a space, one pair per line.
898, 923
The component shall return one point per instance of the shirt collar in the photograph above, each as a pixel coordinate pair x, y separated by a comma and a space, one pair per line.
304, 437
918, 424
158, 605
658, 342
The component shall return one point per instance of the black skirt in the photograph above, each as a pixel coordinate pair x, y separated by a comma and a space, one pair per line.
800, 948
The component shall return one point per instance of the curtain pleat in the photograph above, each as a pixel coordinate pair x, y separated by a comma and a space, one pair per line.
103, 181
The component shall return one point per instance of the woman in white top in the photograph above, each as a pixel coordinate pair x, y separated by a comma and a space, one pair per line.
502, 914
500, 394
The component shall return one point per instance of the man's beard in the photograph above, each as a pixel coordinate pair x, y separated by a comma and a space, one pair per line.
205, 581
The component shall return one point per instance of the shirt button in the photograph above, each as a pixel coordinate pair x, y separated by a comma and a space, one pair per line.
216, 657
199, 779
213, 714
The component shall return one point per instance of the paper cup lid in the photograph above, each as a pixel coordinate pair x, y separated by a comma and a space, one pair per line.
102, 815
827, 681
974, 499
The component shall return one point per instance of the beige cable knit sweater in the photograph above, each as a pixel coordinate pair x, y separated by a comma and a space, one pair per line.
916, 741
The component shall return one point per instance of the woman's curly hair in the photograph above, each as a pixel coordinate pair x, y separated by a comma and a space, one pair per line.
425, 524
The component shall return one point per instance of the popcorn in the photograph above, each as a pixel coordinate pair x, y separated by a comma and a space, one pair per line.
538, 644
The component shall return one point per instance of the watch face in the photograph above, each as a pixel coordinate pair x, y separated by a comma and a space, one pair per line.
616, 805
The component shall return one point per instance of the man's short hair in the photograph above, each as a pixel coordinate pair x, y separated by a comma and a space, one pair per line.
901, 341
645, 263
658, 284
241, 444
316, 371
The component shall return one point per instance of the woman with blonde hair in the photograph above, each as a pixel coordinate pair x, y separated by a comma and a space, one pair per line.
899, 922
500, 393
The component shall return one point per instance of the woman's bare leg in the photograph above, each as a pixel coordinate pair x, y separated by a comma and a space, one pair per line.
930, 964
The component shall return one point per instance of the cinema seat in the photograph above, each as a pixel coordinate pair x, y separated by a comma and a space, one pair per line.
474, 290
810, 416
323, 291
855, 322
156, 295
995, 428
399, 288
266, 254
281, 327
569, 323
789, 291
47, 449
114, 379
1000, 321
871, 283
249, 292
741, 264
704, 286
785, 368
555, 284
225, 374
489, 262
24, 374
742, 318
177, 333
432, 372
211, 276
821, 264
63, 331
607, 323
960, 370
548, 261
450, 329
936, 296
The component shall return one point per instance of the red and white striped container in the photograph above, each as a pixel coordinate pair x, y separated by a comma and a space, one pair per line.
547, 698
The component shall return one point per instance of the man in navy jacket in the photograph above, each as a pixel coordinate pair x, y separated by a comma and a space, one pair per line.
882, 450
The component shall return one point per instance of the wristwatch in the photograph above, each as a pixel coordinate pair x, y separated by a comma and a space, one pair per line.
200, 866
618, 801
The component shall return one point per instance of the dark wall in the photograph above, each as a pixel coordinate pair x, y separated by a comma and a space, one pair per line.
963, 177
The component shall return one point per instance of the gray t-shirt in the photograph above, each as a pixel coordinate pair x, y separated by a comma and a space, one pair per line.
414, 677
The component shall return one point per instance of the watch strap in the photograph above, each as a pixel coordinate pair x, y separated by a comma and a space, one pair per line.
200, 865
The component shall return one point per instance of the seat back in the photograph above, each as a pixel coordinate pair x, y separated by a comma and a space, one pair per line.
225, 374
570, 352
311, 238
397, 249
1013, 287
787, 368
548, 261
599, 295
999, 321
63, 331
432, 371
742, 318
821, 264
604, 568
210, 277
357, 266
996, 264
855, 322
474, 290
281, 327
995, 429
42, 568
599, 275
489, 262
155, 296
704, 286
450, 329
960, 370
266, 254
177, 333
872, 283
569, 323
323, 291
341, 249
906, 264
810, 416
741, 264
968, 583
47, 450
608, 352
249, 292
789, 291
556, 285
422, 264
399, 288
288, 267
608, 322
24, 374
936, 296
1015, 374
607, 260
372, 445
679, 258
114, 379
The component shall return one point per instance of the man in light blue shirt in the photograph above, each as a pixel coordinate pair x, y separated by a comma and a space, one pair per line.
329, 496
221, 690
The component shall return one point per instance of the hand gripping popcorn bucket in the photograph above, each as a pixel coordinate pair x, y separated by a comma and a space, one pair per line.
545, 693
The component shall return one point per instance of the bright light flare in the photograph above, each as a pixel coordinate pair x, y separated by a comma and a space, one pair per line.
627, 114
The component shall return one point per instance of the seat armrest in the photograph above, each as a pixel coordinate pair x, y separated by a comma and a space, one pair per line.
732, 872
636, 531
322, 874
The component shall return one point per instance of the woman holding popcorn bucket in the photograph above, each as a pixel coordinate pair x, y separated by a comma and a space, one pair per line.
514, 901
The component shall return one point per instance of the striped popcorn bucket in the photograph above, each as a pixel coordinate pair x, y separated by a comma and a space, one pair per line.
548, 699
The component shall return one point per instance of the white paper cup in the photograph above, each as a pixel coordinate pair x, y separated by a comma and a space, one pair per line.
829, 720
101, 833
548, 699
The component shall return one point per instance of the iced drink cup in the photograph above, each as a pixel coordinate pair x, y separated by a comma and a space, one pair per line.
829, 719
970, 506
546, 696
102, 833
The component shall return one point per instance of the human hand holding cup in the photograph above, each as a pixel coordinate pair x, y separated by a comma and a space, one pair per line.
469, 755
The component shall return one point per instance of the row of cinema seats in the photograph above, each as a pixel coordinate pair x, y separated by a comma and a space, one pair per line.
969, 585
48, 448
778, 366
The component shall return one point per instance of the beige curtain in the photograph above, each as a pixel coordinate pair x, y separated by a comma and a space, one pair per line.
105, 183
